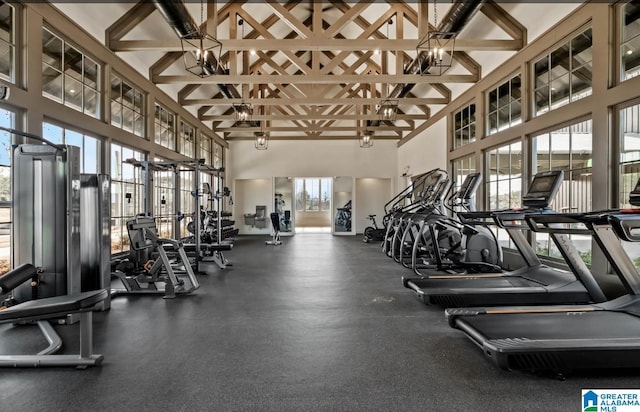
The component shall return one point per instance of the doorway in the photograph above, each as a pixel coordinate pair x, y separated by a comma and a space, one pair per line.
313, 200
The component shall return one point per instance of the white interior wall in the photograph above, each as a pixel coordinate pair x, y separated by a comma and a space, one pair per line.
250, 193
311, 159
305, 159
372, 194
426, 152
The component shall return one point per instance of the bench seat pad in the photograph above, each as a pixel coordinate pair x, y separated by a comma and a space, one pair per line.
55, 305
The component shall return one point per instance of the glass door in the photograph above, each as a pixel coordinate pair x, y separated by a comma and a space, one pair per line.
343, 205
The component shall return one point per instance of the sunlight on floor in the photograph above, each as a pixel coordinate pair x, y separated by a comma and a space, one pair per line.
313, 229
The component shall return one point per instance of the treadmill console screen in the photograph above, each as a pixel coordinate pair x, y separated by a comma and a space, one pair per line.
542, 184
464, 187
543, 189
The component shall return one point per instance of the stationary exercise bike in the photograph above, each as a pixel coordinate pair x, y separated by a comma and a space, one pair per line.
374, 232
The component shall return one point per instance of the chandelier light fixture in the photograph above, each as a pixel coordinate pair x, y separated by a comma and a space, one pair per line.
262, 140
387, 110
366, 139
435, 49
244, 111
201, 51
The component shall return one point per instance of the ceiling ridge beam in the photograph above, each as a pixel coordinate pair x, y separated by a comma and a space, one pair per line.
311, 137
318, 101
173, 44
287, 116
318, 79
312, 128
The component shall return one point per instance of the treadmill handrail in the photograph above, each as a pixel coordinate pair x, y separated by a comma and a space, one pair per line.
625, 224
540, 223
477, 217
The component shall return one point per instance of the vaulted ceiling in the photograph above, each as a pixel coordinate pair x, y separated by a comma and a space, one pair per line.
314, 70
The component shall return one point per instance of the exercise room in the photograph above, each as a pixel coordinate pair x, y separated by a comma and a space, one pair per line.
320, 205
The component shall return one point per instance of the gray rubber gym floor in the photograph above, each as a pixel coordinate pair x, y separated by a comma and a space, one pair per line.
319, 323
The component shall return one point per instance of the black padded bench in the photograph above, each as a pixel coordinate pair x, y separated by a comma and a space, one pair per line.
40, 311
191, 247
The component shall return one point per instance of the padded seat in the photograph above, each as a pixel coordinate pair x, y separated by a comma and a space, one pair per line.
53, 307
191, 247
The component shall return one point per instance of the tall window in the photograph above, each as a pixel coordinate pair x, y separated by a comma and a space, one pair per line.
568, 149
7, 119
564, 75
163, 201
503, 182
504, 105
187, 201
7, 42
218, 152
69, 76
89, 145
127, 106
165, 128
313, 195
205, 149
126, 194
630, 39
462, 167
464, 126
629, 165
187, 139
629, 152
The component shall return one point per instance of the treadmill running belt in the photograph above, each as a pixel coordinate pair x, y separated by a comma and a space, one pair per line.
555, 326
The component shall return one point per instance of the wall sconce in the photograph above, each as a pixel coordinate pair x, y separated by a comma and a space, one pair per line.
366, 139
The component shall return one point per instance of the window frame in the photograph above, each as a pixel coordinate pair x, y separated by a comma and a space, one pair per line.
116, 172
12, 45
547, 87
498, 107
83, 154
468, 124
622, 44
120, 102
62, 99
184, 147
162, 125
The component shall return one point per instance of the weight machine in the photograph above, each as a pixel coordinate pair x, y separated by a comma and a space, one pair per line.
201, 252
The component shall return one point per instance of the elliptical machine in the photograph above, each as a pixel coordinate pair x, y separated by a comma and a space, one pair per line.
446, 244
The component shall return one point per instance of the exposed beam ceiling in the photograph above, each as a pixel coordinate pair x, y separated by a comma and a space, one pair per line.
314, 69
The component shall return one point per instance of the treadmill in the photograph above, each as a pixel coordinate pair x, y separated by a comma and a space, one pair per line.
533, 284
564, 338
